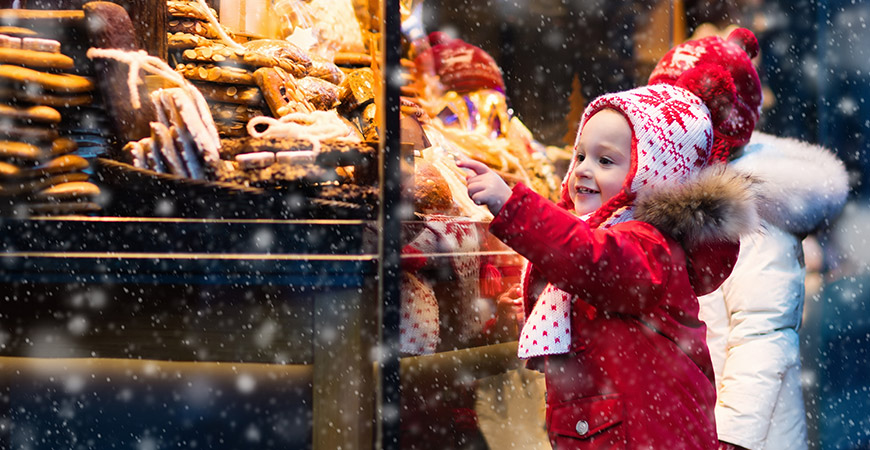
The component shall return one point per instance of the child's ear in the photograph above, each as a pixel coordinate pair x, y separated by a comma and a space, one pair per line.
714, 85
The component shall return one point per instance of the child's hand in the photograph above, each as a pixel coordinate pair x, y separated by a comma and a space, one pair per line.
485, 187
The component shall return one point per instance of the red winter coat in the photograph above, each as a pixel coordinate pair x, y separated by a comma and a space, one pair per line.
639, 373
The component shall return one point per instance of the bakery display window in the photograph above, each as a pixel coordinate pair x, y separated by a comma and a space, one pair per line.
240, 224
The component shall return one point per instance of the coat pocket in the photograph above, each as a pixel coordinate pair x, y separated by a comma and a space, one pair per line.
589, 422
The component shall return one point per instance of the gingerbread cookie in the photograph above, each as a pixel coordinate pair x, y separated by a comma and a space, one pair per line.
193, 26
249, 96
257, 160
223, 55
281, 92
232, 147
232, 129
289, 57
183, 41
215, 73
230, 112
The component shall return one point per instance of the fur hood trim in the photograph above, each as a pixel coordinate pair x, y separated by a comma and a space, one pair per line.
797, 185
714, 206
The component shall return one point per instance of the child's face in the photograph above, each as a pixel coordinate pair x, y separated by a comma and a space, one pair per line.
603, 161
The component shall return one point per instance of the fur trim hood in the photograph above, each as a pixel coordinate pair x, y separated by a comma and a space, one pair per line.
716, 205
798, 186
707, 214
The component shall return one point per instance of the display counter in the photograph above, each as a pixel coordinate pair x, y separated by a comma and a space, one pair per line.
253, 320
258, 333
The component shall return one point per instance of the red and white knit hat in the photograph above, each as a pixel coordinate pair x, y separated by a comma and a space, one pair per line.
672, 136
733, 54
460, 66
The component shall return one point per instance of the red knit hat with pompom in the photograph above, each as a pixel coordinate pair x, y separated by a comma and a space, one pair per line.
734, 56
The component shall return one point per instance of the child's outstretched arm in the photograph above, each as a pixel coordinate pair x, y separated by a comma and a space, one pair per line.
485, 186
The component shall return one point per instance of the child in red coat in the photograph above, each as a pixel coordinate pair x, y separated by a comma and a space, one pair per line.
615, 267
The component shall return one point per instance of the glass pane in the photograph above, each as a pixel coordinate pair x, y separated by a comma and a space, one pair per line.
504, 84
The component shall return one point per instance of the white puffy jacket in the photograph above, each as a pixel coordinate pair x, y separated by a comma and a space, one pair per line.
752, 320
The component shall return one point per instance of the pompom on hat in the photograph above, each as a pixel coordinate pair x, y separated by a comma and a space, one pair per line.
732, 55
672, 134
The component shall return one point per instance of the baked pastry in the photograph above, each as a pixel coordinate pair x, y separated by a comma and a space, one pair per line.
281, 92
320, 93
357, 90
255, 54
431, 191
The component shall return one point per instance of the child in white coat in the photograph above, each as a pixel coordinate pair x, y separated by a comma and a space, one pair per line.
753, 318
